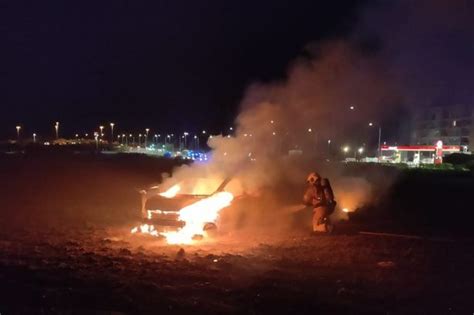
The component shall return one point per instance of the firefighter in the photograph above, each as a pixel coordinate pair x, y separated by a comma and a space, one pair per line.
320, 196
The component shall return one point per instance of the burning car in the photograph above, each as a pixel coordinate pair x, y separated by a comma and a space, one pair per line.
186, 211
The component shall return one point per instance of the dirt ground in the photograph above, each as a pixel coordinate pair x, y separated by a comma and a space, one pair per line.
66, 248
108, 271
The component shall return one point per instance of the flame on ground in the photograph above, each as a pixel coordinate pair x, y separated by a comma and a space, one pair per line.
195, 217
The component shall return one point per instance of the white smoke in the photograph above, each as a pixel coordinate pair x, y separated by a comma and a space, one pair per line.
311, 106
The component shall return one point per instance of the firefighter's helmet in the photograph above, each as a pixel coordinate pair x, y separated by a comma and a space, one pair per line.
312, 177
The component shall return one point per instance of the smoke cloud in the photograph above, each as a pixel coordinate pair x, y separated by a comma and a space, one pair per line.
400, 53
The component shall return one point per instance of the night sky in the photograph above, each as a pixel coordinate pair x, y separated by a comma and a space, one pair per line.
166, 65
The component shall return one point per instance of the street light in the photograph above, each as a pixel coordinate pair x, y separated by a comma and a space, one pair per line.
204, 132
112, 131
346, 149
147, 130
185, 135
139, 139
196, 142
101, 130
96, 138
314, 144
56, 128
352, 107
380, 136
34, 137
18, 132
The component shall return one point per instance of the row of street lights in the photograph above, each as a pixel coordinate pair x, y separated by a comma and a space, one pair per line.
112, 125
18, 129
184, 137
56, 130
347, 149
123, 139
168, 139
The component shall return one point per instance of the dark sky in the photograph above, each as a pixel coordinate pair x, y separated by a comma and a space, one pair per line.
167, 65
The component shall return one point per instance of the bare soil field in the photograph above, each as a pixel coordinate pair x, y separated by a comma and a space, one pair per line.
107, 271
66, 248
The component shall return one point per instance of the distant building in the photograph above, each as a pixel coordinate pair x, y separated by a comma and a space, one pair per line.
454, 125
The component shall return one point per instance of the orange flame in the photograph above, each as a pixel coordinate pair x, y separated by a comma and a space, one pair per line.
171, 192
145, 229
195, 217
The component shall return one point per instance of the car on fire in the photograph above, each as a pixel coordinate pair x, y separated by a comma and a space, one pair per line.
161, 206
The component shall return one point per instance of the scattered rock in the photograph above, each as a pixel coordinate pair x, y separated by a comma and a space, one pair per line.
62, 265
211, 257
180, 254
125, 252
112, 239
33, 267
386, 264
72, 243
5, 243
341, 291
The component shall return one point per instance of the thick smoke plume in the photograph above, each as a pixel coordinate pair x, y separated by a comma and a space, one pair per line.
374, 70
300, 113
307, 109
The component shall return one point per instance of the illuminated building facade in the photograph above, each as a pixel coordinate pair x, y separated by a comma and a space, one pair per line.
453, 125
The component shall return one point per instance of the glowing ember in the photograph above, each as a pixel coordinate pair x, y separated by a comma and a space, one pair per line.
171, 193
